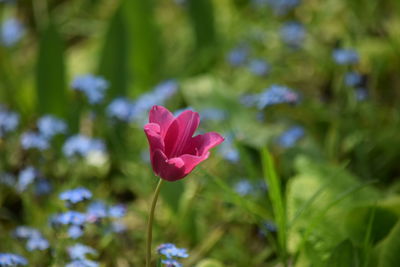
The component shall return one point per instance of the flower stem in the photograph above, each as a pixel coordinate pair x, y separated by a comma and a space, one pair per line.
150, 223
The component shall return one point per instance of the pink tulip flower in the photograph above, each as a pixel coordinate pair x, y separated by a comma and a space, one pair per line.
174, 152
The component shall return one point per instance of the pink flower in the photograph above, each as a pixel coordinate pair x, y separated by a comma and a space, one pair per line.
174, 152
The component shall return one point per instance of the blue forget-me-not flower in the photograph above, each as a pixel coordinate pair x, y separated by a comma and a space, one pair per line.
345, 56
33, 140
11, 260
92, 86
11, 32
293, 34
76, 195
8, 121
291, 136
82, 145
49, 126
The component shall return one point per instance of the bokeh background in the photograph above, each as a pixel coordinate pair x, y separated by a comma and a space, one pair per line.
305, 92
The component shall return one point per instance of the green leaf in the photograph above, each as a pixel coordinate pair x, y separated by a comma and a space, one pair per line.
316, 197
114, 60
50, 73
145, 45
201, 14
356, 227
209, 263
344, 254
390, 251
277, 199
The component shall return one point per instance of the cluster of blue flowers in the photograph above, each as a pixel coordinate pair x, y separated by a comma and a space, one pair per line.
273, 95
239, 57
76, 195
11, 32
291, 136
170, 253
8, 121
48, 126
12, 260
78, 255
136, 111
81, 145
352, 78
95, 212
93, 87
34, 239
26, 177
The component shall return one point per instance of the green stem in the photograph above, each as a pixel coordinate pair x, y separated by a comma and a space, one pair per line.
150, 223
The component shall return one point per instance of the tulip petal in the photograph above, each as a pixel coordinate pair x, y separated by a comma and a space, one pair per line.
162, 117
191, 161
153, 133
180, 132
202, 143
168, 169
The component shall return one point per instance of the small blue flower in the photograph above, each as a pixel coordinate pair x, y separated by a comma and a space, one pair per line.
82, 263
26, 177
171, 263
170, 251
11, 260
353, 79
244, 187
291, 136
76, 195
82, 145
32, 140
238, 56
11, 32
79, 251
117, 211
293, 34
70, 218
42, 187
92, 86
259, 67
121, 109
8, 121
25, 232
345, 56
96, 210
165, 90
75, 231
228, 151
37, 243
276, 94
49, 126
